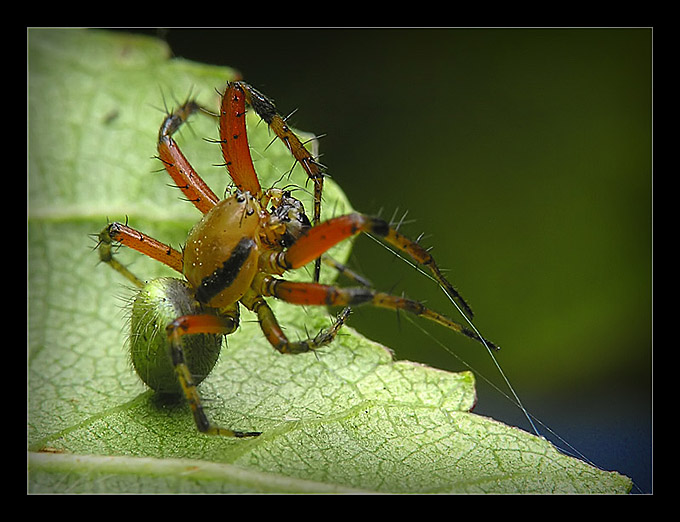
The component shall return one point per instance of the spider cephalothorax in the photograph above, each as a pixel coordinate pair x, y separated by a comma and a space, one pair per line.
235, 254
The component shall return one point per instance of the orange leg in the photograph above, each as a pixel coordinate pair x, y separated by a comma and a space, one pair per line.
176, 164
319, 239
234, 141
317, 294
266, 110
199, 324
119, 233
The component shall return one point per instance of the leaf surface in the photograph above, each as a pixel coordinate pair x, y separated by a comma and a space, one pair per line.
346, 419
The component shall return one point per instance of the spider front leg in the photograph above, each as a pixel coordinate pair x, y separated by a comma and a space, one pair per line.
265, 109
232, 135
319, 239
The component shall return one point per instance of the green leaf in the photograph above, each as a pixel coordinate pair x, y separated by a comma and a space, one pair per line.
348, 418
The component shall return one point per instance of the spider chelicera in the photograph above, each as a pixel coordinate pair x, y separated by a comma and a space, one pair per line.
243, 242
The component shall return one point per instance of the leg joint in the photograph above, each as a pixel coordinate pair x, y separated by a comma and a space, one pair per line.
378, 226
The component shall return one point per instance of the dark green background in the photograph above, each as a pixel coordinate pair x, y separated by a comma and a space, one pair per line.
525, 156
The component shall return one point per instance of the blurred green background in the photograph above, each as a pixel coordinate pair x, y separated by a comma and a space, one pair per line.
524, 155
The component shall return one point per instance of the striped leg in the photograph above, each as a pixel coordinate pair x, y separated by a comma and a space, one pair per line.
120, 233
318, 294
265, 109
319, 239
195, 324
176, 164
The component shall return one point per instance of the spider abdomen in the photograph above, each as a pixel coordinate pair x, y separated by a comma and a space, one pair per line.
155, 305
222, 251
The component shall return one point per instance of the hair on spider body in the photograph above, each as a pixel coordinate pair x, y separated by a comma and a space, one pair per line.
154, 306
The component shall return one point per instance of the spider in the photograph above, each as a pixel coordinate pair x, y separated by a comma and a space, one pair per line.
235, 253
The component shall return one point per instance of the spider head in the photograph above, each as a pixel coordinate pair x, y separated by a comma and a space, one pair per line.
289, 213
